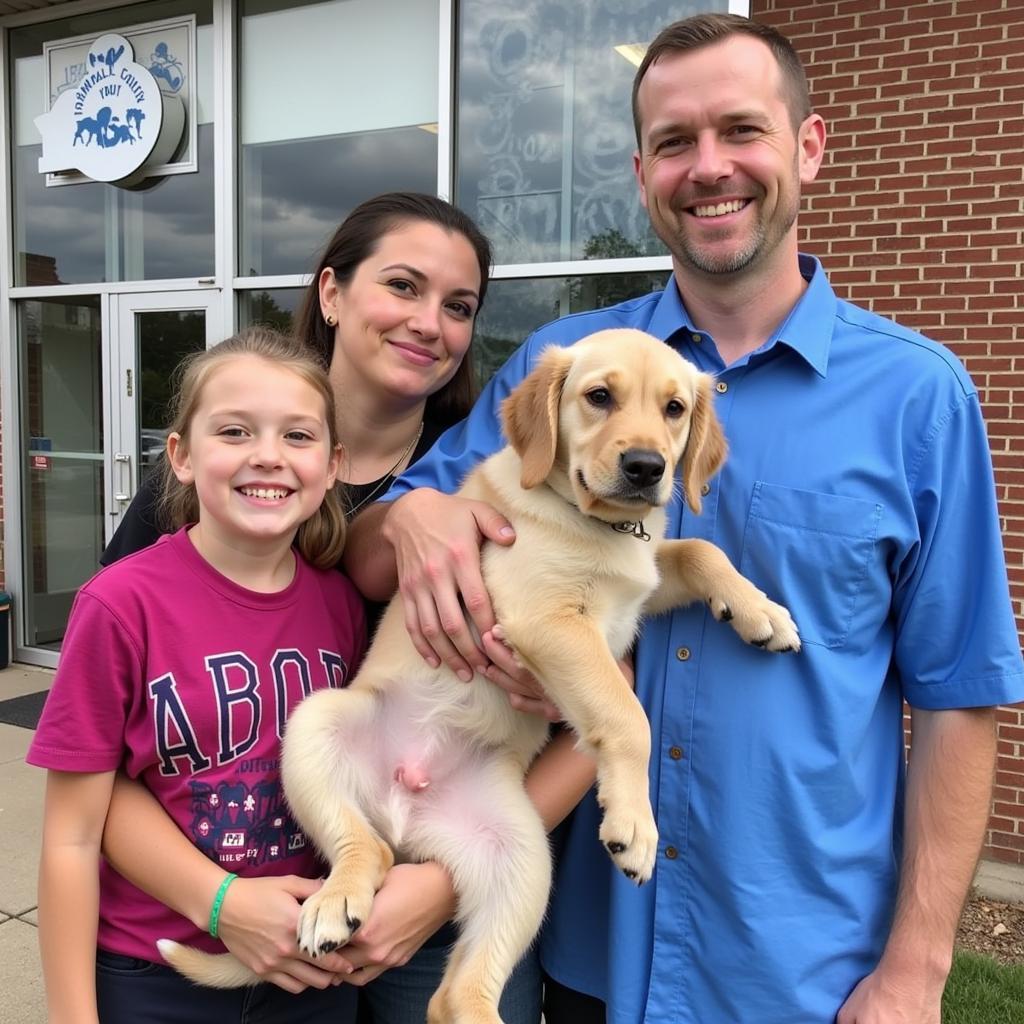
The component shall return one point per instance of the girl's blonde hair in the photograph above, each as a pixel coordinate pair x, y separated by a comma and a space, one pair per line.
321, 538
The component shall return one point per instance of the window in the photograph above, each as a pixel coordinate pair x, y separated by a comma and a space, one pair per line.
92, 232
544, 129
338, 104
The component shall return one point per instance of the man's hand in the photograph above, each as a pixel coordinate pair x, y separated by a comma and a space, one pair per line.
895, 997
437, 539
414, 901
524, 689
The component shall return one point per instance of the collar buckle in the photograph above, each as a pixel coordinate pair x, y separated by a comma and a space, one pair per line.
636, 529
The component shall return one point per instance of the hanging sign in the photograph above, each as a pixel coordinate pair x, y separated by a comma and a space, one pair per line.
121, 106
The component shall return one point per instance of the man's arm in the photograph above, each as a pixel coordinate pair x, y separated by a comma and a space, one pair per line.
949, 788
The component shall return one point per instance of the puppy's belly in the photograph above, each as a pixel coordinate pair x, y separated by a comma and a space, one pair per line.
429, 748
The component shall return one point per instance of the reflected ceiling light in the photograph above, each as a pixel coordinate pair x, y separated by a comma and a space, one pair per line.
432, 128
633, 52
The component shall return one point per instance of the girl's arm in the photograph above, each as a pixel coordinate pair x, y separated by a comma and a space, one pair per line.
69, 892
258, 916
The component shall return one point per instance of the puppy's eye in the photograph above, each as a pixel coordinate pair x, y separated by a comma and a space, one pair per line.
599, 397
674, 409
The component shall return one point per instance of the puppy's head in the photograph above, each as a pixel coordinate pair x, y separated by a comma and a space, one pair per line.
608, 421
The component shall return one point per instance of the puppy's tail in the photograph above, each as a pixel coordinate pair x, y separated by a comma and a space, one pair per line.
215, 971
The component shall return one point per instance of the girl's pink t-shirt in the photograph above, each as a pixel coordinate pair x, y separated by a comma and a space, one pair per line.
180, 677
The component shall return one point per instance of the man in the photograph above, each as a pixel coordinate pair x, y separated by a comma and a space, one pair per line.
801, 877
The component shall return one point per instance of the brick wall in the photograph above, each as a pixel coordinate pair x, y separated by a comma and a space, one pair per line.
918, 214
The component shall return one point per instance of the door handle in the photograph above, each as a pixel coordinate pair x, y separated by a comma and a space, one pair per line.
124, 459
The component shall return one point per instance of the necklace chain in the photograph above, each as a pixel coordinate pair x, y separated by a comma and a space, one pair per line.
410, 448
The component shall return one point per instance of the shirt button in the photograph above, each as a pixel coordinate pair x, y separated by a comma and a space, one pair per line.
721, 387
683, 653
696, 338
706, 490
675, 753
671, 852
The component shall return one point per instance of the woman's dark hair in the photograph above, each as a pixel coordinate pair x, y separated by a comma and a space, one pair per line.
356, 240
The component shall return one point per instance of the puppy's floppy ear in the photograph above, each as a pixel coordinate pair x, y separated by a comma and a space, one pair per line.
706, 446
530, 415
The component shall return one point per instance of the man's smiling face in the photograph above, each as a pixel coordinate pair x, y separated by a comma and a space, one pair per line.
721, 166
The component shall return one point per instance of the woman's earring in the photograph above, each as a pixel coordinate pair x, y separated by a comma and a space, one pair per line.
330, 319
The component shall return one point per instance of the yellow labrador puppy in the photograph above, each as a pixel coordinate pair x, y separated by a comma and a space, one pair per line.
410, 762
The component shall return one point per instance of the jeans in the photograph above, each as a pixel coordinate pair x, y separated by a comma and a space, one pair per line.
401, 995
133, 991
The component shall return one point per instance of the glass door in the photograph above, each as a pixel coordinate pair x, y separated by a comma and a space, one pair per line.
96, 377
63, 421
154, 332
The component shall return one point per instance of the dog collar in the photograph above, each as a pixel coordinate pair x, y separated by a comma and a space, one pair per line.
636, 529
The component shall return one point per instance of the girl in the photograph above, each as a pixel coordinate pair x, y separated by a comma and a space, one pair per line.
180, 666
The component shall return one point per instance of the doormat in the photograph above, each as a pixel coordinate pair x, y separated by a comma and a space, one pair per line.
23, 711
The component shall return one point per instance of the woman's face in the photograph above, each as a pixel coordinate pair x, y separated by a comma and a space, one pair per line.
405, 319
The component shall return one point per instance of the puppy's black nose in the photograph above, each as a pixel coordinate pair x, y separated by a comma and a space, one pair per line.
641, 467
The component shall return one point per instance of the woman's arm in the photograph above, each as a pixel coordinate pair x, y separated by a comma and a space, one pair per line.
258, 916
69, 892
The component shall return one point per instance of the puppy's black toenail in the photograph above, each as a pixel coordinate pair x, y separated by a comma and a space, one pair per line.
353, 923
615, 847
629, 874
760, 643
328, 947
726, 614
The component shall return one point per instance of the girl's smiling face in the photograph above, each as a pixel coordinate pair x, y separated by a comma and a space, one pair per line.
258, 451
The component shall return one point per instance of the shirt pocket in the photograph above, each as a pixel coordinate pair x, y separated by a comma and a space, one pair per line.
811, 552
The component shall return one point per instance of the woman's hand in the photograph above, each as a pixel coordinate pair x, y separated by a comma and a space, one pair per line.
258, 922
414, 901
436, 540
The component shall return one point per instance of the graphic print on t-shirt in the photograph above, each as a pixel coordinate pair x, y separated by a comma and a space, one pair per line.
234, 825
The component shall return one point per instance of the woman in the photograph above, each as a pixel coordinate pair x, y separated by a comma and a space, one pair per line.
394, 401
390, 313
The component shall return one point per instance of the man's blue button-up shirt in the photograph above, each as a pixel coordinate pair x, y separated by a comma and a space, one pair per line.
858, 491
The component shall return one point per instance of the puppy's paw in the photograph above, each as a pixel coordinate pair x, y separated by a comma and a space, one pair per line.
631, 838
330, 917
758, 620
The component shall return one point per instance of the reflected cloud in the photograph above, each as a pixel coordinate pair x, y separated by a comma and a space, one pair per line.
544, 107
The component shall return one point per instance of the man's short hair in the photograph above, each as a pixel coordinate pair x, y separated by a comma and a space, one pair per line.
706, 29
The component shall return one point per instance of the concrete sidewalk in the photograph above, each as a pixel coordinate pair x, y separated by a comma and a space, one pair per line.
21, 818
21, 812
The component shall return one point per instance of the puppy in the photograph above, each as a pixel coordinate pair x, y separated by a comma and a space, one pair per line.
410, 762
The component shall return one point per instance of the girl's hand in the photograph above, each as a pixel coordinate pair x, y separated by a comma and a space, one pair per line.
258, 922
414, 901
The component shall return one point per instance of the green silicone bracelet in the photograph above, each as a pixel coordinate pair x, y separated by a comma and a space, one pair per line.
217, 901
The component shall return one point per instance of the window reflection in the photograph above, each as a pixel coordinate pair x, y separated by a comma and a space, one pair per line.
545, 135
62, 471
516, 308
359, 119
296, 193
269, 308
